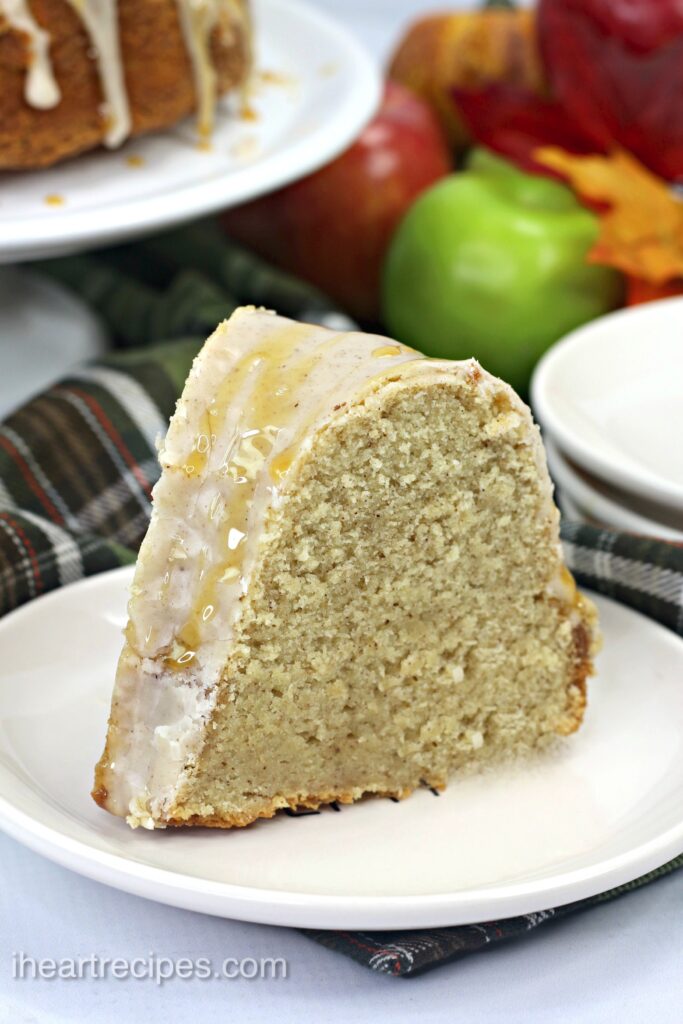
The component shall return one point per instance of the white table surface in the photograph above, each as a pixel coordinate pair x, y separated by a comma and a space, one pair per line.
620, 962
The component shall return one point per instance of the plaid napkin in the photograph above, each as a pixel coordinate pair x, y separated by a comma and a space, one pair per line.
78, 463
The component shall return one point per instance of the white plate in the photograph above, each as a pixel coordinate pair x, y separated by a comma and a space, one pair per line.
603, 810
326, 91
572, 511
611, 395
598, 504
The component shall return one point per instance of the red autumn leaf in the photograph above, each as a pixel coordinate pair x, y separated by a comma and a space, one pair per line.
617, 68
515, 122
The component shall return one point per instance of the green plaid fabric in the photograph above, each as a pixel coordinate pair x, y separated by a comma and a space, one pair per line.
78, 463
407, 954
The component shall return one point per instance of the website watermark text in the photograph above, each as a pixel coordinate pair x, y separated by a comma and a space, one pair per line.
154, 968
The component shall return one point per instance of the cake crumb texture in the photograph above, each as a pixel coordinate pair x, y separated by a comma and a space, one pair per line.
404, 621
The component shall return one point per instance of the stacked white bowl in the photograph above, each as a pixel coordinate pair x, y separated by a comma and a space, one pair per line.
609, 398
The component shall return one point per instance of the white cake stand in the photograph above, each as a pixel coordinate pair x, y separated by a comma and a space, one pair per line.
314, 90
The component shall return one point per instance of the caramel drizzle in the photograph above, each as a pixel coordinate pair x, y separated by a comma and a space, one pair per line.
267, 410
236, 444
265, 387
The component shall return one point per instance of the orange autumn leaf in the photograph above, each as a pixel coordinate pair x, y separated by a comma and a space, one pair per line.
641, 229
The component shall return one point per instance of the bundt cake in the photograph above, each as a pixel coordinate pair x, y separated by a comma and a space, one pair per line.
352, 583
75, 74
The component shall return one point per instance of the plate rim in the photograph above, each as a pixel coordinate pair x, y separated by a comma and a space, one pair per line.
314, 910
79, 230
582, 495
645, 483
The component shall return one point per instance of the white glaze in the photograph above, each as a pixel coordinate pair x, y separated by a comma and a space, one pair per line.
197, 20
101, 21
40, 87
162, 712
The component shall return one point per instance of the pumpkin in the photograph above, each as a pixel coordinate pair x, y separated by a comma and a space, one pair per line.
467, 50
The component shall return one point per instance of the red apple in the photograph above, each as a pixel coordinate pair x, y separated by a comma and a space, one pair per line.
333, 227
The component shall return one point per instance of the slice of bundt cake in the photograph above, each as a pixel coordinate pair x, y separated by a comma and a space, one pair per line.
352, 583
75, 74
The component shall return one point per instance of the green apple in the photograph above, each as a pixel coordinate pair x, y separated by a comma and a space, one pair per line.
492, 263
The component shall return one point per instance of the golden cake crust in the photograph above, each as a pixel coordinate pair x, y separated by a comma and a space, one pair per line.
158, 75
312, 802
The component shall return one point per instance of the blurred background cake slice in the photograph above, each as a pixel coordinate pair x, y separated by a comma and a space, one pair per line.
76, 74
